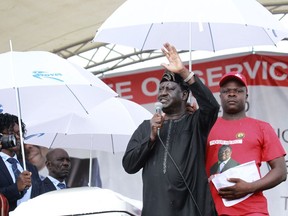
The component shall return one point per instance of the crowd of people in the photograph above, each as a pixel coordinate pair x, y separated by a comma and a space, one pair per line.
180, 151
18, 185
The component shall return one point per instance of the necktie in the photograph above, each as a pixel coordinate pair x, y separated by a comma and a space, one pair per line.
61, 185
221, 166
15, 169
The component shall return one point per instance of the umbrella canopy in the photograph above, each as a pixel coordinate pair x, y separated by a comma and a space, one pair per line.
79, 201
38, 86
191, 25
45, 86
108, 128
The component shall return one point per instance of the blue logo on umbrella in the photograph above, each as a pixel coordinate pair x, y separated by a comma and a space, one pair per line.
45, 75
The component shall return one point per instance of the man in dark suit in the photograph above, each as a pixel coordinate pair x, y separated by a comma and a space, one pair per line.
16, 184
59, 165
225, 161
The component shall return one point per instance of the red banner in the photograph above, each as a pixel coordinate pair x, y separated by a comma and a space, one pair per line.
266, 69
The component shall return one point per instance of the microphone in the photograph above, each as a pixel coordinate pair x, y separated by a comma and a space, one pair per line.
158, 108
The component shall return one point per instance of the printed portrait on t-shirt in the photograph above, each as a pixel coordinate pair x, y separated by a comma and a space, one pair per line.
225, 160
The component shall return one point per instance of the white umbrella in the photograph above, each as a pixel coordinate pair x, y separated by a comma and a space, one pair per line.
191, 25
108, 128
39, 86
208, 24
79, 201
48, 86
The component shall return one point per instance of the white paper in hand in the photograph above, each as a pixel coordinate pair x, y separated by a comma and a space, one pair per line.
247, 172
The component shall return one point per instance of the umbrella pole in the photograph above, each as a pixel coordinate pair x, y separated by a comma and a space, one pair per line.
21, 134
18, 109
90, 165
190, 47
190, 56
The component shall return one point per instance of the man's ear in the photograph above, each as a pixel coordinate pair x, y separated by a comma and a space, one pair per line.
246, 96
47, 163
185, 95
